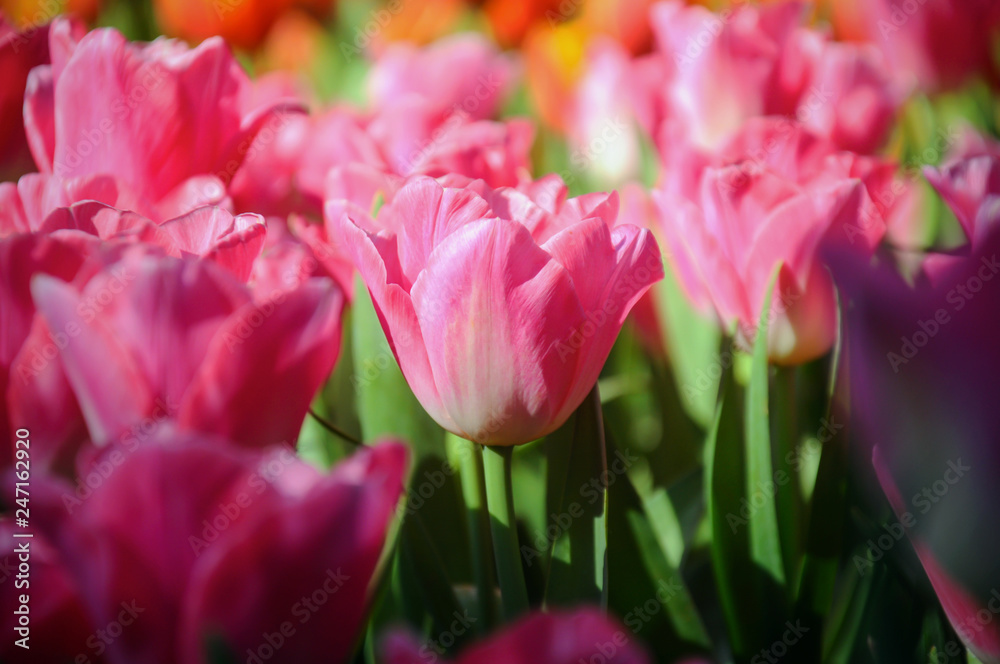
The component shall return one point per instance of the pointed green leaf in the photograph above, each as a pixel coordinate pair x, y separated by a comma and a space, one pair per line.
765, 539
577, 463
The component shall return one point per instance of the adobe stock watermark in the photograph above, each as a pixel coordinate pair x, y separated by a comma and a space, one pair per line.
130, 440
782, 646
367, 32
590, 492
433, 649
228, 513
103, 638
149, 77
605, 651
899, 15
609, 312
711, 28
301, 611
766, 490
87, 310
957, 297
923, 501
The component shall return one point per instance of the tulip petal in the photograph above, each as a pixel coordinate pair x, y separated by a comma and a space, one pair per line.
251, 584
376, 258
108, 383
493, 308
264, 365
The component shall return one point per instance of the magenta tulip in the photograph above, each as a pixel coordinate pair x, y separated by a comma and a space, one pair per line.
566, 637
922, 368
152, 338
501, 313
970, 184
194, 545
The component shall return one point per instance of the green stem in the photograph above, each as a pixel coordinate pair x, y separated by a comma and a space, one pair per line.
478, 521
500, 502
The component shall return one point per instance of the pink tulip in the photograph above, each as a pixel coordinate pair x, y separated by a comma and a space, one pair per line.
934, 44
773, 194
194, 544
25, 205
851, 98
725, 68
33, 385
209, 232
153, 338
555, 638
145, 116
474, 90
500, 313
20, 51
716, 71
601, 126
296, 251
287, 168
415, 139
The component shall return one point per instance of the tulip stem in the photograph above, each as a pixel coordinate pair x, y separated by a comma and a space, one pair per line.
333, 428
478, 521
500, 502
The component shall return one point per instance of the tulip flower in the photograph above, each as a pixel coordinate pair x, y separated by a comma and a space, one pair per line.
716, 71
296, 251
34, 387
500, 313
157, 338
476, 89
244, 23
58, 626
144, 116
20, 51
971, 186
773, 195
196, 547
564, 637
922, 370
934, 44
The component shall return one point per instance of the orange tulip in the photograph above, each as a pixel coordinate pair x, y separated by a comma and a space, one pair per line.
243, 23
554, 63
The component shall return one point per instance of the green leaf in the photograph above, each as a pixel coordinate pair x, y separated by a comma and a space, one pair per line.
423, 582
645, 589
692, 343
765, 539
725, 494
578, 467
